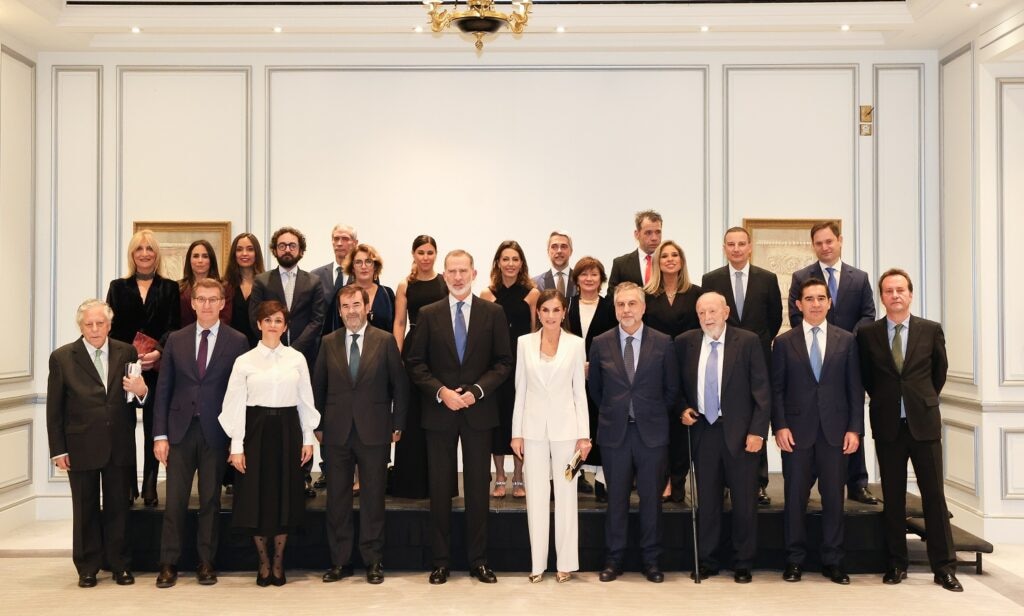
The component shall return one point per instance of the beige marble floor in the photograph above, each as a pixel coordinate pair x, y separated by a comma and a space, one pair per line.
36, 577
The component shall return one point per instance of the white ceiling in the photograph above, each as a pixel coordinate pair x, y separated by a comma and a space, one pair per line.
50, 25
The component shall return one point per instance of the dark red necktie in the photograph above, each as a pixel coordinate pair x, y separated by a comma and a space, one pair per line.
204, 346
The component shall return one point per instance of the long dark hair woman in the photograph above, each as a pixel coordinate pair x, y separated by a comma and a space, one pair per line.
245, 262
200, 263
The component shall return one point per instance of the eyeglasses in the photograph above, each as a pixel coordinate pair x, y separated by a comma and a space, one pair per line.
289, 246
206, 300
366, 263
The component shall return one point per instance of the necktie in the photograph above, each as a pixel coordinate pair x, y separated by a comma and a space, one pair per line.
289, 288
647, 269
833, 287
739, 295
815, 354
339, 278
97, 360
353, 357
339, 282
460, 331
629, 359
560, 285
204, 350
897, 348
712, 410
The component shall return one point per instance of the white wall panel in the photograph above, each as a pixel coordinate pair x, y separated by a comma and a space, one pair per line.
957, 211
17, 202
790, 145
1011, 466
15, 455
183, 147
476, 157
1010, 136
960, 452
76, 231
898, 140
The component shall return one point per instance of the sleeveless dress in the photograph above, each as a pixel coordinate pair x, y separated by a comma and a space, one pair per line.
517, 311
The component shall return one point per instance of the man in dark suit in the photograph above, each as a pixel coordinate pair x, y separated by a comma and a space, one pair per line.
755, 304
361, 388
560, 275
458, 358
852, 307
634, 379
903, 362
91, 431
636, 266
817, 417
197, 363
302, 293
726, 399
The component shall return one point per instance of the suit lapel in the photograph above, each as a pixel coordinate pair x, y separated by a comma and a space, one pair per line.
799, 344
831, 348
729, 357
86, 362
616, 344
338, 349
274, 284
371, 346
693, 360
913, 340
476, 330
115, 370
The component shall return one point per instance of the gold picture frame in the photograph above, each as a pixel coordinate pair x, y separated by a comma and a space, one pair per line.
783, 246
176, 237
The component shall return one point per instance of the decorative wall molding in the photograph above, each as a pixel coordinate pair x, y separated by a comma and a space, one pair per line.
1005, 377
963, 483
25, 478
1011, 452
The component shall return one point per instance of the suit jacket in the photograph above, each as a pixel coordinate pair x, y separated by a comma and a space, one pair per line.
94, 426
376, 401
746, 389
626, 267
551, 399
547, 281
307, 309
604, 319
180, 393
762, 303
856, 306
433, 362
919, 384
159, 315
653, 392
325, 274
834, 404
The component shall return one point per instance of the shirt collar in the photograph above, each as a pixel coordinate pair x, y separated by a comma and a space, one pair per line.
708, 339
285, 271
808, 327
214, 329
637, 335
361, 331
555, 271
837, 266
92, 350
452, 301
891, 325
745, 270
266, 351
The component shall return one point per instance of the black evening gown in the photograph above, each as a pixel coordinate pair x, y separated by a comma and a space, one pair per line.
240, 317
517, 311
604, 319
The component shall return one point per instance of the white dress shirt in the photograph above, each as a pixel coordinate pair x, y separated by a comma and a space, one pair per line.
746, 278
466, 308
273, 378
361, 332
837, 266
702, 368
809, 337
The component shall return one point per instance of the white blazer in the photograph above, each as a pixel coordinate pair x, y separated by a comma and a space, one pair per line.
551, 399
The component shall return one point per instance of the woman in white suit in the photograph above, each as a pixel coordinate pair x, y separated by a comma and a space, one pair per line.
549, 423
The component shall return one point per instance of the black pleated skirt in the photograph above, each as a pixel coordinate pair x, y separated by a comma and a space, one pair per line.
269, 497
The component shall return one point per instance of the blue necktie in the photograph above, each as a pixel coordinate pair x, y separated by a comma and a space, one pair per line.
460, 331
353, 357
833, 288
815, 354
739, 295
712, 408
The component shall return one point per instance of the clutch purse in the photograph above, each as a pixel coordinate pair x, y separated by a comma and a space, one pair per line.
144, 344
573, 466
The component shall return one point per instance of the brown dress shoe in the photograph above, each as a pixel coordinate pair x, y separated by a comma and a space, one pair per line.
168, 576
206, 574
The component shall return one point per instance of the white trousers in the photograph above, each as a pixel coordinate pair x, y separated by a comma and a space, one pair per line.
542, 462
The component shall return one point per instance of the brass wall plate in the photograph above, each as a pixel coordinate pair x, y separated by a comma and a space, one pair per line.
867, 113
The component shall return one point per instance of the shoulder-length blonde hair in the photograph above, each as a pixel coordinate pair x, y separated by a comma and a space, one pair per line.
141, 236
656, 286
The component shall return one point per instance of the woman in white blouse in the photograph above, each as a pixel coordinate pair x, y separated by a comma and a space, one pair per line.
269, 415
549, 424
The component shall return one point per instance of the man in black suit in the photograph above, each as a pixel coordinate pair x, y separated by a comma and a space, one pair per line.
636, 266
634, 379
755, 304
197, 363
852, 307
458, 358
726, 398
90, 426
817, 417
361, 388
560, 275
903, 362
302, 293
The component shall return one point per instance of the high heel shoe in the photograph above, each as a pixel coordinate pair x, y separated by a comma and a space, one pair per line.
517, 489
562, 576
499, 489
261, 580
536, 579
278, 580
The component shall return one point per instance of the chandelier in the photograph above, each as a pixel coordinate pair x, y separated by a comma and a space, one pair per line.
480, 18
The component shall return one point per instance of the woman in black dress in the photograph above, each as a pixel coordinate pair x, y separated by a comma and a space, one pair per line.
245, 263
145, 306
364, 266
589, 315
512, 289
672, 309
200, 262
421, 287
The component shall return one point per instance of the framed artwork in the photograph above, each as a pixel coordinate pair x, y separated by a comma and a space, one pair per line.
783, 246
175, 238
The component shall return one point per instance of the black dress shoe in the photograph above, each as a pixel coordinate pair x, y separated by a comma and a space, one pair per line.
742, 576
310, 492
948, 581
206, 575
583, 486
321, 482
704, 571
763, 500
600, 493
150, 501
229, 489
167, 577
894, 575
261, 580
375, 573
337, 573
836, 574
792, 573
125, 578
87, 580
484, 574
278, 580
863, 495
653, 574
439, 575
610, 572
